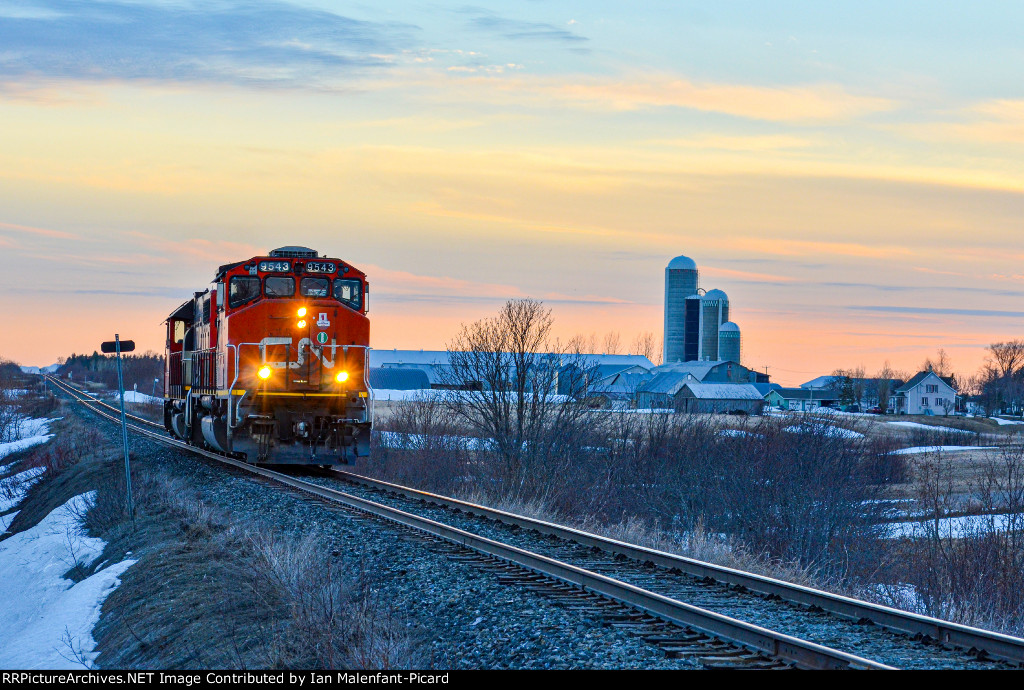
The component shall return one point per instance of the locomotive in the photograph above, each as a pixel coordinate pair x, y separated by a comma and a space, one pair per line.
270, 362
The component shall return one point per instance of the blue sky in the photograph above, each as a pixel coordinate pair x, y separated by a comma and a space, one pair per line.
851, 174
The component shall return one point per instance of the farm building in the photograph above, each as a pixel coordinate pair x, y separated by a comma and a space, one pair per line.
801, 399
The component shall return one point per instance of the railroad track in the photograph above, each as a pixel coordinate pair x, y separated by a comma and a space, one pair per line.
681, 629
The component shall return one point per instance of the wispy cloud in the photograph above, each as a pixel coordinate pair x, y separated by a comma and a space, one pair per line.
225, 41
29, 230
518, 29
947, 311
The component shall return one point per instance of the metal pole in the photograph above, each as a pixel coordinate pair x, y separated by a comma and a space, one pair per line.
124, 431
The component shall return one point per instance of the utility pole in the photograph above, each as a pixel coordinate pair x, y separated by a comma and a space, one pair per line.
118, 347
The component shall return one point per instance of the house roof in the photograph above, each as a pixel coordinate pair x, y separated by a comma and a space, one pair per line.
666, 382
398, 378
696, 368
379, 358
723, 391
807, 394
920, 377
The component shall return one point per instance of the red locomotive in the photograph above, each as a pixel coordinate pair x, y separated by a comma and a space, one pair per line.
270, 361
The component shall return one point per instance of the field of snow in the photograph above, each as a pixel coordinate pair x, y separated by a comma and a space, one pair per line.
951, 526
937, 449
915, 425
1004, 422
391, 439
46, 621
32, 433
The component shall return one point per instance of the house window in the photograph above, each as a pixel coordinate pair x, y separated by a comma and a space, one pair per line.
931, 388
924, 402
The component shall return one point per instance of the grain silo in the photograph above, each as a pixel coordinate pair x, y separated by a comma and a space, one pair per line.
714, 311
680, 283
729, 342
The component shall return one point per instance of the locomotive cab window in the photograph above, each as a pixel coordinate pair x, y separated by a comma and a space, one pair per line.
315, 287
349, 292
243, 289
278, 286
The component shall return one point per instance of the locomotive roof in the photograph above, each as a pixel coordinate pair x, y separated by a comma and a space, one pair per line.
283, 252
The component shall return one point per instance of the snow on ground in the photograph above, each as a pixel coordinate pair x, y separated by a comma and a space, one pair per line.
836, 431
32, 433
951, 526
915, 425
47, 621
392, 439
937, 449
14, 488
739, 433
1004, 422
6, 520
136, 397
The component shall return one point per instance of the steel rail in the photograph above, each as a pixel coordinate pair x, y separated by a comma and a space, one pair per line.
800, 653
994, 644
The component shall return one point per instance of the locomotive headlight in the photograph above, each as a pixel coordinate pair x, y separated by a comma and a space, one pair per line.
302, 323
342, 376
302, 312
264, 372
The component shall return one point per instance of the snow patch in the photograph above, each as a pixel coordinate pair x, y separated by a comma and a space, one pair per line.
1004, 422
825, 430
953, 527
937, 449
915, 425
47, 621
14, 488
31, 432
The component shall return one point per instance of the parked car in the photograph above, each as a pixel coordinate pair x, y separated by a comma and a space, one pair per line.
876, 410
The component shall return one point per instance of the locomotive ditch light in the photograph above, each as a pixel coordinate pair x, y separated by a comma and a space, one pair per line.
302, 312
302, 323
342, 377
264, 372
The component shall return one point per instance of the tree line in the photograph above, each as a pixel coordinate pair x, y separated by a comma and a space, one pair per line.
145, 371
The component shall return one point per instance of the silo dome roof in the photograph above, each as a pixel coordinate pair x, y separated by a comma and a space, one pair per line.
728, 327
683, 263
716, 294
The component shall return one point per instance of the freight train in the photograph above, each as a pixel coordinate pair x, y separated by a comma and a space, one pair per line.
270, 362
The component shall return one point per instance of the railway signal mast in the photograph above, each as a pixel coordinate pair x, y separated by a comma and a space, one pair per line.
118, 346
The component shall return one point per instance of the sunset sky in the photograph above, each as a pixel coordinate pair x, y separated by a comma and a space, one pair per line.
852, 176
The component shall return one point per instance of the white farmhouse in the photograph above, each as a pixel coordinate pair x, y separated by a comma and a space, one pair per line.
926, 393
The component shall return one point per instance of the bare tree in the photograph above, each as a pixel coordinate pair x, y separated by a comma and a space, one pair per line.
940, 364
612, 342
884, 385
513, 367
1007, 357
643, 344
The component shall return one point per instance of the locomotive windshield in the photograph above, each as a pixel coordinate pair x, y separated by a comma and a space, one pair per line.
349, 292
315, 287
243, 289
278, 286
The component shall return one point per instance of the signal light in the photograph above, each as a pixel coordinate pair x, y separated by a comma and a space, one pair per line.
264, 372
342, 376
302, 323
302, 311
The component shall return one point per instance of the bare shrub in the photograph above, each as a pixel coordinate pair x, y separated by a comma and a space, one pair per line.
972, 572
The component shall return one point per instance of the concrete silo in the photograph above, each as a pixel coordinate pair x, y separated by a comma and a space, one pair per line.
729, 342
680, 283
714, 311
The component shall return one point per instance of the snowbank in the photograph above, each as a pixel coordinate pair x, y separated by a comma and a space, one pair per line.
915, 425
32, 432
47, 621
937, 449
1004, 422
